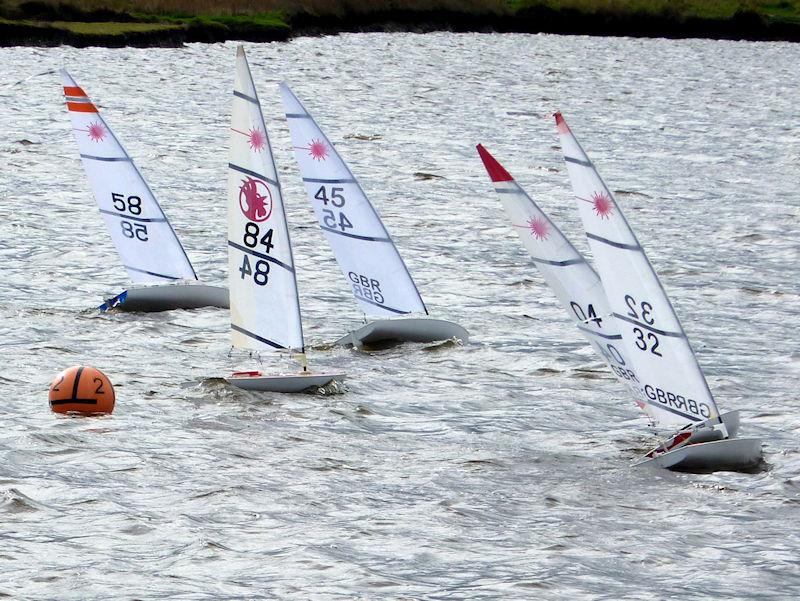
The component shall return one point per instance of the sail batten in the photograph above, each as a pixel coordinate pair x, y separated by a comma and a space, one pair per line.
153, 273
264, 301
378, 277
254, 174
144, 239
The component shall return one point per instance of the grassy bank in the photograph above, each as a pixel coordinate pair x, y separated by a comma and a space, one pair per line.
173, 22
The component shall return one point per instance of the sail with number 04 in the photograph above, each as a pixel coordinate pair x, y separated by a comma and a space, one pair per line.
567, 272
671, 378
369, 260
265, 307
144, 238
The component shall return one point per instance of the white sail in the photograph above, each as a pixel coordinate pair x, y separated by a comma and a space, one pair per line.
366, 254
145, 241
265, 310
566, 271
672, 381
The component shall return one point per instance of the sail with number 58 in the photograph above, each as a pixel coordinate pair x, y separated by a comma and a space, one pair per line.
144, 238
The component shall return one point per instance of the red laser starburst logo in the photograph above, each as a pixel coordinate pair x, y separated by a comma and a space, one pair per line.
602, 204
255, 200
539, 228
258, 139
96, 131
318, 150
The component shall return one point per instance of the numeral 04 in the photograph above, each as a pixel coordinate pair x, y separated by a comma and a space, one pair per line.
581, 314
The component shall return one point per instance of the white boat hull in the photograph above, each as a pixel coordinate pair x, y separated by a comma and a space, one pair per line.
284, 382
168, 297
707, 433
731, 454
413, 329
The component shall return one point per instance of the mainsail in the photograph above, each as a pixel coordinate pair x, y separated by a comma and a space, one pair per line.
265, 310
672, 382
366, 254
143, 236
571, 277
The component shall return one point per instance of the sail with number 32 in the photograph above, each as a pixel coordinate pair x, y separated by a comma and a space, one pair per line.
672, 381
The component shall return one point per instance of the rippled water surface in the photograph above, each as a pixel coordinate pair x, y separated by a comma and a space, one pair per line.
499, 469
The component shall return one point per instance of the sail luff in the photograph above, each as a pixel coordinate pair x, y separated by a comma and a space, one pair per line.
656, 341
148, 246
363, 247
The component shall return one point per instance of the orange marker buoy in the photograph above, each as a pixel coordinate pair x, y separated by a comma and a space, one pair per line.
82, 389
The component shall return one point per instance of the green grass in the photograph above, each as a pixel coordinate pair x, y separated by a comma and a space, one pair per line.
111, 28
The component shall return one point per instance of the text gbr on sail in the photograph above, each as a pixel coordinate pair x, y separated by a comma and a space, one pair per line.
366, 288
677, 401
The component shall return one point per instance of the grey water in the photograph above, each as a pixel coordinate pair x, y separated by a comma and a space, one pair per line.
497, 469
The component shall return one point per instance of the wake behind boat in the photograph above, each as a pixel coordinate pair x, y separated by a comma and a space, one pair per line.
265, 305
144, 239
369, 260
667, 369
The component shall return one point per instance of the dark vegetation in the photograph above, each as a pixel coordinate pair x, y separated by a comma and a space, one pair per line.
173, 22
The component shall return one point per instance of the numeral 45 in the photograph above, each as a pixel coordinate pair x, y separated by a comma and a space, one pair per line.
336, 198
329, 219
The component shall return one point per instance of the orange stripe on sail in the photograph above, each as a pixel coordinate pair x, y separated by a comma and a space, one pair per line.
82, 107
73, 91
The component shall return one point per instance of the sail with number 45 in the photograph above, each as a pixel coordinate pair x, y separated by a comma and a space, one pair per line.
672, 382
144, 238
265, 309
566, 271
363, 248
